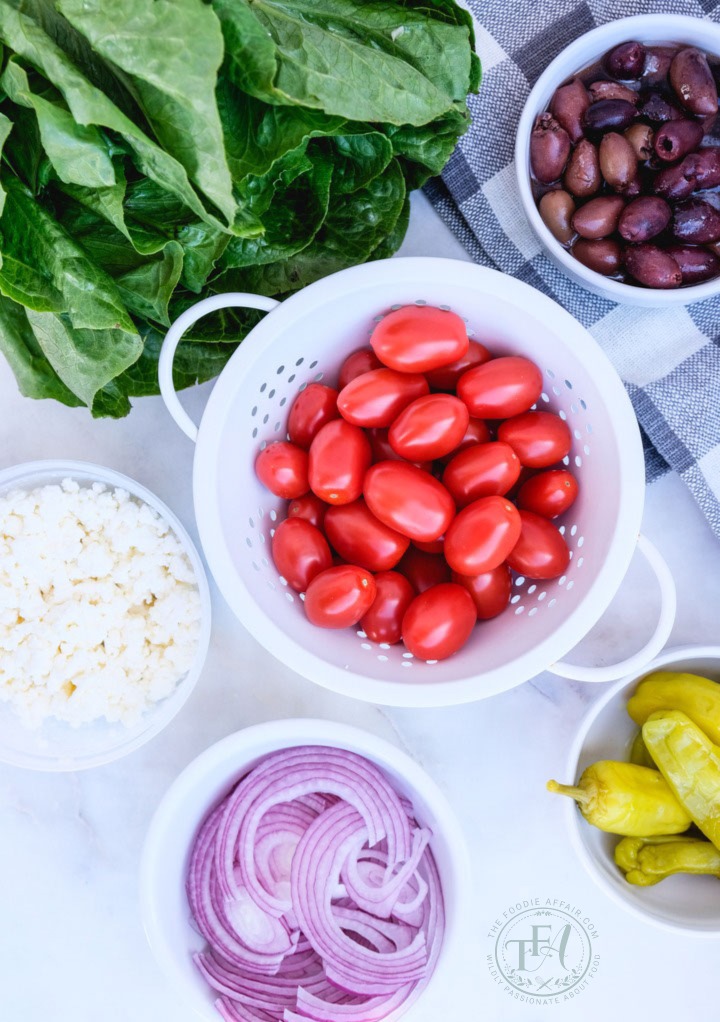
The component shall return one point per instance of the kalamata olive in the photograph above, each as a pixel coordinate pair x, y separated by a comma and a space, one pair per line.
556, 209
658, 109
640, 137
657, 64
634, 189
618, 162
549, 149
611, 90
696, 221
707, 166
693, 82
568, 105
643, 218
708, 124
604, 255
678, 182
582, 174
696, 262
609, 114
649, 265
598, 217
626, 60
676, 139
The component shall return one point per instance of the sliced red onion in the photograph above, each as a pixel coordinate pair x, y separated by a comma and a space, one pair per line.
317, 893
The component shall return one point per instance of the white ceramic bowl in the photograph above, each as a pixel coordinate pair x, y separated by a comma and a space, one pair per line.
209, 778
57, 746
646, 28
690, 904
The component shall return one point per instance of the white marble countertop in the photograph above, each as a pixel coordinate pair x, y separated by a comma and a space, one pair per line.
72, 946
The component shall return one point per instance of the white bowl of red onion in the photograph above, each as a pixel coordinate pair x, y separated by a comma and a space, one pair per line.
301, 870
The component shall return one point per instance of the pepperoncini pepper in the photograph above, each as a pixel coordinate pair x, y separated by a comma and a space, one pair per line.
690, 763
647, 861
639, 754
626, 799
696, 697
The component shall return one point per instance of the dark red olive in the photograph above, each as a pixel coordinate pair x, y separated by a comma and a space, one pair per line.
626, 60
556, 209
696, 221
603, 255
707, 167
676, 139
656, 108
618, 161
649, 265
609, 114
598, 217
568, 105
693, 82
677, 182
549, 149
582, 174
657, 64
611, 90
640, 137
643, 218
696, 262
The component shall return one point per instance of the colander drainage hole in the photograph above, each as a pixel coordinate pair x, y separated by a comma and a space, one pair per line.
318, 376
270, 583
570, 585
382, 657
578, 460
291, 377
280, 370
312, 364
263, 388
361, 634
580, 562
283, 400
254, 410
561, 530
365, 645
568, 384
562, 415
566, 460
550, 373
573, 530
586, 449
264, 561
252, 523
544, 397
406, 663
300, 361
552, 602
256, 566
583, 405
265, 419
576, 432
581, 540
254, 433
248, 541
541, 596
273, 514
516, 598
520, 609
520, 580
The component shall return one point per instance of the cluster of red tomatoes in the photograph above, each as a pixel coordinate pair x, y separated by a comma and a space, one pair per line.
415, 488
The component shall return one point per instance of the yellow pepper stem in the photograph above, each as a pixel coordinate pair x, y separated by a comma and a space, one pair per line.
568, 789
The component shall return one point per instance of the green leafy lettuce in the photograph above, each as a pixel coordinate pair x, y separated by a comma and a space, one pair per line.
156, 151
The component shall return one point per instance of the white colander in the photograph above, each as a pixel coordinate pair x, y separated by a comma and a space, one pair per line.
306, 338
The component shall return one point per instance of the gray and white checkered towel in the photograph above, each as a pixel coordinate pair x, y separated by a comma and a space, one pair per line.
669, 359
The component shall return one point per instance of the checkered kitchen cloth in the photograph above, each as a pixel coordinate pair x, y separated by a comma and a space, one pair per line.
669, 359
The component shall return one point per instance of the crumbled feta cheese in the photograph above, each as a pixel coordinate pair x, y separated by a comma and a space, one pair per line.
99, 606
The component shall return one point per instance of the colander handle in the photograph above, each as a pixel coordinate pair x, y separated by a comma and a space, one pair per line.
233, 299
636, 662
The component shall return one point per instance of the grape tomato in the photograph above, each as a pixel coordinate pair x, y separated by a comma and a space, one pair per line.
408, 500
501, 387
418, 338
310, 410
377, 398
299, 552
476, 433
362, 361
446, 377
309, 507
482, 535
382, 451
360, 538
539, 439
383, 622
340, 596
429, 428
338, 459
481, 471
541, 551
439, 622
490, 591
283, 468
423, 570
548, 494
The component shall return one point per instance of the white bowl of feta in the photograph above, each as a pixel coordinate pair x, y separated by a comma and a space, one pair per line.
104, 615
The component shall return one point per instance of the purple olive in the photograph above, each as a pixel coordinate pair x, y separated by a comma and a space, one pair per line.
693, 82
707, 167
626, 61
609, 114
640, 137
611, 90
649, 265
657, 64
678, 182
696, 221
568, 106
676, 139
632, 190
582, 174
643, 218
603, 255
656, 108
556, 210
598, 217
618, 162
549, 149
696, 262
